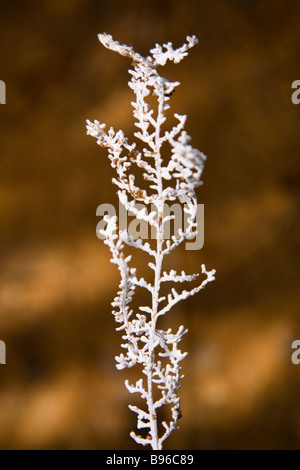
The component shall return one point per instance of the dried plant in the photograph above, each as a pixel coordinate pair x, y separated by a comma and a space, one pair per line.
154, 349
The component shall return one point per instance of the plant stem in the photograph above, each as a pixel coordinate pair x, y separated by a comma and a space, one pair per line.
156, 445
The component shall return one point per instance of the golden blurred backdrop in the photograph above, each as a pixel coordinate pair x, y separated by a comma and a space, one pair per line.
60, 388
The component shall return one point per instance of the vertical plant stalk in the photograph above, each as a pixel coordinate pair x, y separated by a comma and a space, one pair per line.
154, 349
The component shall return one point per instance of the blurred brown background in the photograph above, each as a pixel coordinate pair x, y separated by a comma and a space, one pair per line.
60, 388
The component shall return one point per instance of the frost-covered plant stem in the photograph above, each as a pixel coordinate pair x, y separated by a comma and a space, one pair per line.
154, 349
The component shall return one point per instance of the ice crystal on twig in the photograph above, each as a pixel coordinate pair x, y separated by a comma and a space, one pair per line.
155, 350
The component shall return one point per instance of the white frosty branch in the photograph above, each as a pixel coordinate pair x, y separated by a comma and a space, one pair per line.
143, 343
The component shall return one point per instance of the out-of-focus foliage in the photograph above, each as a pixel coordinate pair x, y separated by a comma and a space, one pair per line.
60, 388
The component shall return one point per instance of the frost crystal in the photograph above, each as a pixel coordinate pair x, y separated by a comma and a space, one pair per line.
155, 350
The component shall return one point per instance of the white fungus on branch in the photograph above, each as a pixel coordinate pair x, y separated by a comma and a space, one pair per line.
144, 343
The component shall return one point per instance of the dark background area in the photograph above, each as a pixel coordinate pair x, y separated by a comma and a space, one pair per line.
60, 388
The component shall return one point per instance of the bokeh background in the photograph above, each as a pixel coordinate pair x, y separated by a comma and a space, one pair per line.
60, 388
